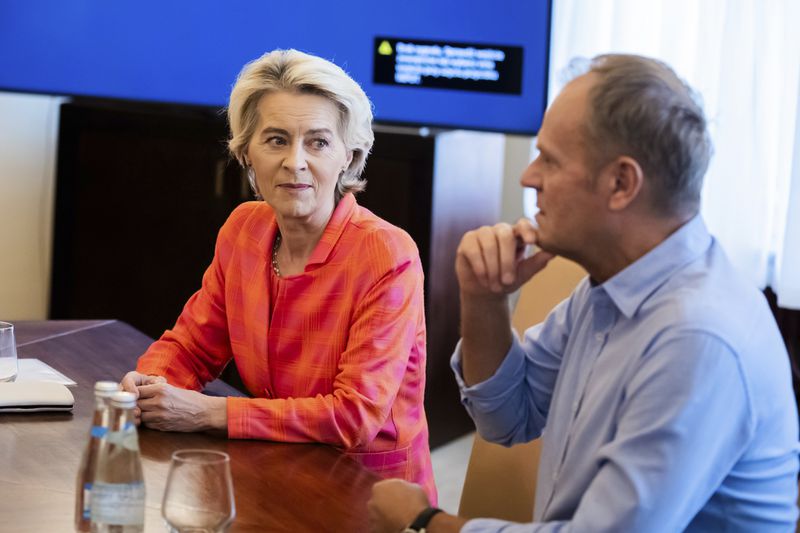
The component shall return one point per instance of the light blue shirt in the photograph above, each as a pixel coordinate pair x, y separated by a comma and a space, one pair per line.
663, 397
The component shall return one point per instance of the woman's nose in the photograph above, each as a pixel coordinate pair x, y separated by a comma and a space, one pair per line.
295, 158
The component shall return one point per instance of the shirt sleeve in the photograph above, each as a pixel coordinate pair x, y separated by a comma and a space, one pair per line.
197, 348
512, 405
685, 420
387, 324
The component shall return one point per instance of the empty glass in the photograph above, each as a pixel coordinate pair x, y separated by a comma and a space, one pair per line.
199, 493
8, 352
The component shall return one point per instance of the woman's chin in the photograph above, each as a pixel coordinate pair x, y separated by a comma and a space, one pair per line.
294, 210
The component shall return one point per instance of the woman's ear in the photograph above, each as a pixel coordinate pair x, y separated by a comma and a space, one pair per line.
349, 159
625, 180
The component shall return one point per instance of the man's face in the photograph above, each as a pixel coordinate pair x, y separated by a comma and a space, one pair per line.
570, 207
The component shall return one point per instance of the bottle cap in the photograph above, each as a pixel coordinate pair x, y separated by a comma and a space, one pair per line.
105, 389
125, 400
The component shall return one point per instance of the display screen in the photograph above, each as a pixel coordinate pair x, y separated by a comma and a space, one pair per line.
448, 63
460, 66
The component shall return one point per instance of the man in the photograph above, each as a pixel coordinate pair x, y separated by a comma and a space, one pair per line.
661, 387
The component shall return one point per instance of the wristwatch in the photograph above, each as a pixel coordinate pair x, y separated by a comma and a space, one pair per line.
421, 521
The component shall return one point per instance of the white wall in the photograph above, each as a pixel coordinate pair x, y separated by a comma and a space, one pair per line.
28, 144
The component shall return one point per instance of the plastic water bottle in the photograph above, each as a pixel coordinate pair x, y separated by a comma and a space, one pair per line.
118, 490
101, 420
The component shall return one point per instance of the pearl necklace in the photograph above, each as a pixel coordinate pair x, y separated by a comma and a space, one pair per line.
275, 246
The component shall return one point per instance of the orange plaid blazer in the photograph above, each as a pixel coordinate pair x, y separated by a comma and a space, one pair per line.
342, 358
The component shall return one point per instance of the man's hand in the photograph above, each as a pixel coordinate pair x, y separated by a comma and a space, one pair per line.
131, 383
491, 262
394, 505
169, 408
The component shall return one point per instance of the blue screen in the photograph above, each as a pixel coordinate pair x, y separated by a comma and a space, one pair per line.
190, 52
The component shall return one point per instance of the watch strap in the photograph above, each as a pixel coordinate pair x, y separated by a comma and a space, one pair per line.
423, 518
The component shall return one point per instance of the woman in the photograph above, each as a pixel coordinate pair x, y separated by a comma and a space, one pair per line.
317, 300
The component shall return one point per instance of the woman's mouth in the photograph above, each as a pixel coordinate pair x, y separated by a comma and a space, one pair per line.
295, 186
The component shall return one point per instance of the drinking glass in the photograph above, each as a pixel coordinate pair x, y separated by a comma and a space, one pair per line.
8, 352
199, 493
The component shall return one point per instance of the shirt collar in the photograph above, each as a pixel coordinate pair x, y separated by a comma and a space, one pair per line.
629, 288
334, 229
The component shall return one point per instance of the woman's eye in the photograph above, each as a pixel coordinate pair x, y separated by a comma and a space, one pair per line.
319, 144
276, 141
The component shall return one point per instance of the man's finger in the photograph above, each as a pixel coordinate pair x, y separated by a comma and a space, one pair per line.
526, 231
507, 251
473, 257
487, 240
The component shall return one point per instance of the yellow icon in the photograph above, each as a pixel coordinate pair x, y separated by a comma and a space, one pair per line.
385, 49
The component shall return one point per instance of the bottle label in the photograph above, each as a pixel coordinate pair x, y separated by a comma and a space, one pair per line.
98, 432
87, 501
120, 504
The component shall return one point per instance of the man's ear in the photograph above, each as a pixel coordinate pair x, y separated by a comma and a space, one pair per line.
624, 178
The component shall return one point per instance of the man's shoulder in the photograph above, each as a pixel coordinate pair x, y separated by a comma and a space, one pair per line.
711, 297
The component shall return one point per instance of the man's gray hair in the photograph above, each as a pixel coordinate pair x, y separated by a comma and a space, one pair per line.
294, 71
639, 107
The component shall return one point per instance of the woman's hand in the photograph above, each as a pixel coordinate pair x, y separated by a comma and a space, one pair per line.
131, 383
169, 408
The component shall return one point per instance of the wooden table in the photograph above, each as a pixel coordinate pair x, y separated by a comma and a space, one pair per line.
278, 487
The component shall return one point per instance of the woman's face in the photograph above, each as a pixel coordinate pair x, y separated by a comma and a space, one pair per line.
297, 155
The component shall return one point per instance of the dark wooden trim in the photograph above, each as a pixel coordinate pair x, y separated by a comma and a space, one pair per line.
789, 324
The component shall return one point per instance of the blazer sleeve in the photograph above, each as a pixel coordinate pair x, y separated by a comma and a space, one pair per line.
197, 348
388, 322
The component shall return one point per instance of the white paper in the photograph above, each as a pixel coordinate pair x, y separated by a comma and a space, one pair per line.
36, 370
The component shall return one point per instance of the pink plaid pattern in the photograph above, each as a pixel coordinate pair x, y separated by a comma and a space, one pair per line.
342, 358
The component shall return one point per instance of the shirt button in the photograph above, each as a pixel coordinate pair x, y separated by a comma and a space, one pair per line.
599, 336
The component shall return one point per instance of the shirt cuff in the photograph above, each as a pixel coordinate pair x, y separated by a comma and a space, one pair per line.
490, 392
493, 525
236, 418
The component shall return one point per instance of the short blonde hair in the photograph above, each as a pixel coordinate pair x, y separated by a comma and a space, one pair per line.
291, 70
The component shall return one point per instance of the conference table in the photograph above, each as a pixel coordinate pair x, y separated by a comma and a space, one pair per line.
277, 486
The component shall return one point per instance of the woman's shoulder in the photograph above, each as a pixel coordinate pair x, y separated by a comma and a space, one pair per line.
374, 246
380, 235
253, 215
247, 225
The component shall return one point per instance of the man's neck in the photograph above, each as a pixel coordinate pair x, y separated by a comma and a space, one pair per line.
630, 239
